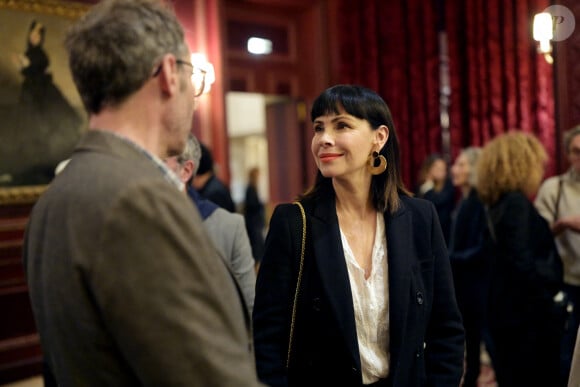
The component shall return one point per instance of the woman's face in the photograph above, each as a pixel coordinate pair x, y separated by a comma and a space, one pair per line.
342, 143
438, 170
35, 35
460, 171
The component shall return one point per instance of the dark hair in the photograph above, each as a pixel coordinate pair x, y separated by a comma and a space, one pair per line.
30, 29
206, 160
365, 104
427, 164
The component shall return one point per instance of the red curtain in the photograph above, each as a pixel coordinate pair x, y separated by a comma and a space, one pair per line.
391, 47
498, 81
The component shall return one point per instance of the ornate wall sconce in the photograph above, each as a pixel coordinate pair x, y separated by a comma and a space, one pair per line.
207, 76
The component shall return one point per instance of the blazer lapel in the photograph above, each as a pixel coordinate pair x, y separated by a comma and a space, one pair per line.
399, 241
329, 257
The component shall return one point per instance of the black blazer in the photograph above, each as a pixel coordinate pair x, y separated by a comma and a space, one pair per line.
444, 202
470, 261
426, 333
519, 295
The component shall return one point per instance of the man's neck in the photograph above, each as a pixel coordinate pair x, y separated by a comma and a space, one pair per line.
136, 120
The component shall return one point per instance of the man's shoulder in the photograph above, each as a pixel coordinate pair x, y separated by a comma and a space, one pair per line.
224, 218
551, 182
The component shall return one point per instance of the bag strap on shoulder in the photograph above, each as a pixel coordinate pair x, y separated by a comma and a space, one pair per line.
558, 197
299, 280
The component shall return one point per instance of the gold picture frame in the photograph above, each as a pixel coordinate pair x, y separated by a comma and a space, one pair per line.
41, 114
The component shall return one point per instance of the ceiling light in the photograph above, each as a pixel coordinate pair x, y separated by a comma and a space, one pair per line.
259, 46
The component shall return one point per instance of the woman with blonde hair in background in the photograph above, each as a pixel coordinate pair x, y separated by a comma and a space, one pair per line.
524, 280
469, 262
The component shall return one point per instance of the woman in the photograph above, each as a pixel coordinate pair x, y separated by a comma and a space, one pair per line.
524, 333
43, 113
38, 90
436, 187
469, 263
364, 314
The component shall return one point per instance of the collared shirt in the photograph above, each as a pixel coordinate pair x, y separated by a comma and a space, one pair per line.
168, 174
371, 306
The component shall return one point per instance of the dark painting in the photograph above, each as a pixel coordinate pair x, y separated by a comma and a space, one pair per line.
41, 114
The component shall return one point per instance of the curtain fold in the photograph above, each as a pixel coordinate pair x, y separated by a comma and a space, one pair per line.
394, 52
498, 81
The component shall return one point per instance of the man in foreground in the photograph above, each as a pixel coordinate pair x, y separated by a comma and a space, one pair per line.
125, 287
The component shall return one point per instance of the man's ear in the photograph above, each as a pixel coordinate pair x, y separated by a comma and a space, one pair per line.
187, 171
169, 74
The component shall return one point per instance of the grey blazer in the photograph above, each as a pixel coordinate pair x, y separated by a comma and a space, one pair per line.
125, 288
228, 233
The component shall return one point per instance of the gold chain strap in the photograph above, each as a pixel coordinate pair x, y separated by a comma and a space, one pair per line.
297, 282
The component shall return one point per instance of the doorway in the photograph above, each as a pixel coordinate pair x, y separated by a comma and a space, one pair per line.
267, 132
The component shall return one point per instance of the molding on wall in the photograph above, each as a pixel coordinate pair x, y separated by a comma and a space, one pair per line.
21, 195
68, 9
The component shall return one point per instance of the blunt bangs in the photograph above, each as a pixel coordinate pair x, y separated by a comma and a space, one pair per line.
355, 100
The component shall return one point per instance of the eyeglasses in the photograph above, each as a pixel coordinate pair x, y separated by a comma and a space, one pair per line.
197, 77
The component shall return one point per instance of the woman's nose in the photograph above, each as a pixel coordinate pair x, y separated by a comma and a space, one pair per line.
325, 138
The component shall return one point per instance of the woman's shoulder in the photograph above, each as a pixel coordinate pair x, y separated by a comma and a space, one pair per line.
283, 209
289, 211
415, 204
512, 202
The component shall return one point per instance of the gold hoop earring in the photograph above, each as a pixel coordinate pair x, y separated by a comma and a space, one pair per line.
376, 163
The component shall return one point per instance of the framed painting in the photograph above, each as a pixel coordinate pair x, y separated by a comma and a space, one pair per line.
41, 113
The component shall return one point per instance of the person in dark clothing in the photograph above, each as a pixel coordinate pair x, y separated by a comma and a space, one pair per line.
254, 215
355, 287
521, 314
209, 186
435, 186
43, 112
469, 262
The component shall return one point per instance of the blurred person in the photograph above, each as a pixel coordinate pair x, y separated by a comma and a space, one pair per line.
435, 186
208, 185
558, 201
254, 215
226, 230
125, 288
526, 272
469, 263
371, 300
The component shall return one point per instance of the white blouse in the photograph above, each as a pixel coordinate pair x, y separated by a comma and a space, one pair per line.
371, 306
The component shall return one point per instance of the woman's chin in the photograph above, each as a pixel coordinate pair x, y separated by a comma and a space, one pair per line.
328, 172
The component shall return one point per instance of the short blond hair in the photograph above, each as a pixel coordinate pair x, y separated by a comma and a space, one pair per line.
513, 161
